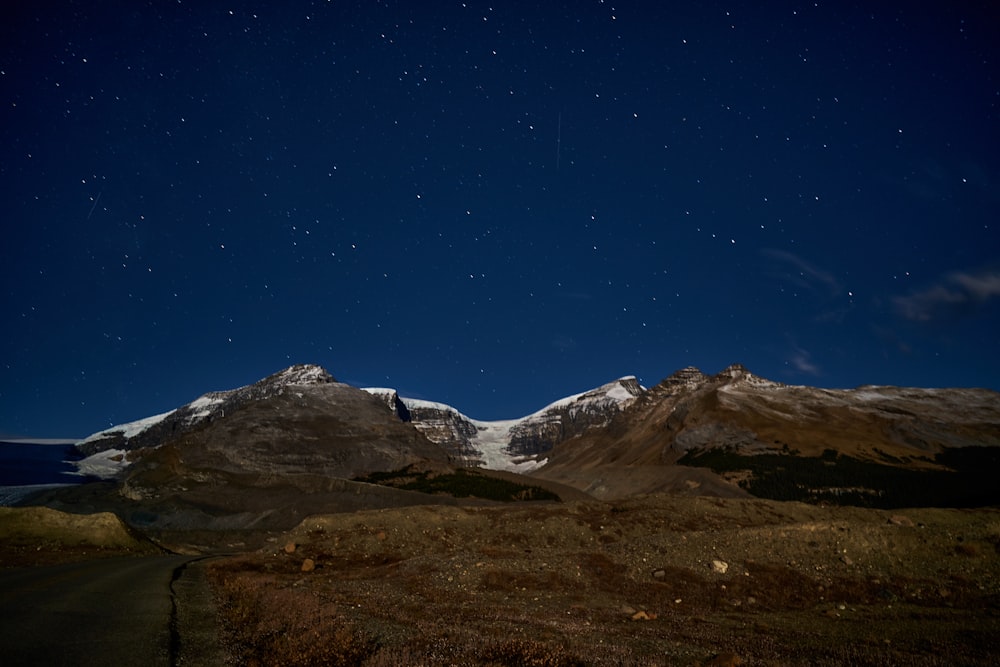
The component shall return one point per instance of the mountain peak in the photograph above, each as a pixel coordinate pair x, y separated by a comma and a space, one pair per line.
300, 374
688, 375
148, 431
738, 375
734, 372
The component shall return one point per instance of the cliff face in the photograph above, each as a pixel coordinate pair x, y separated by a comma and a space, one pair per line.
439, 423
538, 433
518, 444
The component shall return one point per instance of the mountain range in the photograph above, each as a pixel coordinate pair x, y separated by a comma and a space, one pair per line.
298, 442
302, 394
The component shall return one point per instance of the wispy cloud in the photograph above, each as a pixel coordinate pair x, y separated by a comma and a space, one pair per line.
802, 273
802, 362
954, 295
982, 286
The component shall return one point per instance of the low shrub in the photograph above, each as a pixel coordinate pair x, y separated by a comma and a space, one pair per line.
270, 625
460, 484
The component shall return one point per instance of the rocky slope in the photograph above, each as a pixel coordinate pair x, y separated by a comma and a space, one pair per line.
742, 415
260, 457
653, 580
515, 444
34, 536
152, 431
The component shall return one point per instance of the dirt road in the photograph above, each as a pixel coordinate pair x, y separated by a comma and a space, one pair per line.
118, 611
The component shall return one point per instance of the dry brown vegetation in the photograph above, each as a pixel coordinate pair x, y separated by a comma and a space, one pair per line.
33, 536
658, 580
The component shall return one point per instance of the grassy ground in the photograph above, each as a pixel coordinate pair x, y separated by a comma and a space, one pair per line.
33, 536
653, 581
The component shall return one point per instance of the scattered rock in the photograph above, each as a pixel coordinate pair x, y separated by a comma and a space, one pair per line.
901, 520
570, 582
308, 565
724, 660
290, 548
966, 549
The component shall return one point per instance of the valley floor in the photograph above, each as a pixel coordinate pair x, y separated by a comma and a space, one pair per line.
657, 580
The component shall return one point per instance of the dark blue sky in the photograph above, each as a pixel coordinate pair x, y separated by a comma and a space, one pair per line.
491, 206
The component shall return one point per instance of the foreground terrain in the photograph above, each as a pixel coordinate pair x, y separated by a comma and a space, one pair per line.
656, 580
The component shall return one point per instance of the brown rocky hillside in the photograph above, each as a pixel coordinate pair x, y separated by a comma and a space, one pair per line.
742, 415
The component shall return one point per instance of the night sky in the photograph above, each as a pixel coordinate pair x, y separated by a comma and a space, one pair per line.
492, 206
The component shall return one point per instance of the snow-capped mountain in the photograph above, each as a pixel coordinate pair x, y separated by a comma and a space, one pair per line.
513, 444
519, 444
609, 438
107, 450
302, 442
150, 431
263, 456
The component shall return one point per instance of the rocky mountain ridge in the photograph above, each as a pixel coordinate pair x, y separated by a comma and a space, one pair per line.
514, 444
295, 444
502, 445
692, 433
152, 431
745, 427
262, 457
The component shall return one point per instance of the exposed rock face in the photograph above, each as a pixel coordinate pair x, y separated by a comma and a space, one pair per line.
328, 430
516, 444
685, 377
571, 417
449, 428
716, 435
392, 401
152, 431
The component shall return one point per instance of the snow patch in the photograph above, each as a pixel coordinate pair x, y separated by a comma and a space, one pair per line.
202, 407
129, 430
106, 465
620, 393
418, 403
379, 391
491, 441
303, 374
